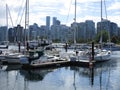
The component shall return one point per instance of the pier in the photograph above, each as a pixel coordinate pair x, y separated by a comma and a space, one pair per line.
81, 63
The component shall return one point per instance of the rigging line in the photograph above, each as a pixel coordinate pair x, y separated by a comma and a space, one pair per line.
68, 11
105, 9
20, 9
10, 15
22, 16
107, 23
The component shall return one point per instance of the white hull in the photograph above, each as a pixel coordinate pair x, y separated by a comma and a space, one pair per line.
102, 57
98, 57
14, 58
46, 58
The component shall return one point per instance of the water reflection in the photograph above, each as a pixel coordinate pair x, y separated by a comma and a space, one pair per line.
35, 75
102, 76
97, 77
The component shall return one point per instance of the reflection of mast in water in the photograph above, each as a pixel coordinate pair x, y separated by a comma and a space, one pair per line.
25, 84
16, 77
108, 77
92, 75
7, 80
101, 78
74, 81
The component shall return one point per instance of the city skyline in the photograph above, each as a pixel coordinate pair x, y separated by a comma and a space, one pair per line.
63, 10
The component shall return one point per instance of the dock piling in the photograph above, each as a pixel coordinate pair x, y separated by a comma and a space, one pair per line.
92, 56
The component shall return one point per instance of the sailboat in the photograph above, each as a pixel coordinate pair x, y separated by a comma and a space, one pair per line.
103, 54
30, 54
100, 54
5, 44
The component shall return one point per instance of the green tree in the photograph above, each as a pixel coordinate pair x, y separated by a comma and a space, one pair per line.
114, 39
104, 35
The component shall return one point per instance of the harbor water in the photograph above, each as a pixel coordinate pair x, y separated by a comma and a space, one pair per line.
103, 76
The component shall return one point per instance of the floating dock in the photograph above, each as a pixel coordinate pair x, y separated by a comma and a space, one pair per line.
81, 63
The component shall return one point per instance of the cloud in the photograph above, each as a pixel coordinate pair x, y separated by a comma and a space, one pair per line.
87, 1
115, 19
64, 10
115, 6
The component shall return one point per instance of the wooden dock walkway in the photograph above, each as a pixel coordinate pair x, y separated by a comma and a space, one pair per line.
57, 64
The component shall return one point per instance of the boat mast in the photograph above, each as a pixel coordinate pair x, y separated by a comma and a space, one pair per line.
74, 25
7, 22
27, 21
75, 12
101, 10
101, 27
107, 25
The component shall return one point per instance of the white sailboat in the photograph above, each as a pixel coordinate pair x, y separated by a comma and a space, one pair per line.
103, 54
86, 54
5, 44
14, 58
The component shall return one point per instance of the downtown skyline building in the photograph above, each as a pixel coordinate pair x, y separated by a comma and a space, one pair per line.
3, 33
111, 27
85, 31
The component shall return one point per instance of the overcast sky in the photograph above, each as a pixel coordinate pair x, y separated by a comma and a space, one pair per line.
62, 9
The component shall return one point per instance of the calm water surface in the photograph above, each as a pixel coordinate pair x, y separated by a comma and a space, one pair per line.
104, 76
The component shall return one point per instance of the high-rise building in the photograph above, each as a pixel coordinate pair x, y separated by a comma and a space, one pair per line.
11, 35
54, 20
42, 31
33, 31
47, 31
90, 30
113, 29
63, 33
57, 22
119, 32
81, 32
48, 22
84, 31
18, 32
110, 27
3, 33
104, 25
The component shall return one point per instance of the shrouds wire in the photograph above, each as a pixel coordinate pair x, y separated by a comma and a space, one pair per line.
105, 9
68, 11
20, 12
9, 15
22, 15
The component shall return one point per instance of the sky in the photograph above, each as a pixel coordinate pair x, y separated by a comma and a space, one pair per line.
64, 10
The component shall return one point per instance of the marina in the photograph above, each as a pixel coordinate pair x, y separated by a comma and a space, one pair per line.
83, 54
58, 68
103, 76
